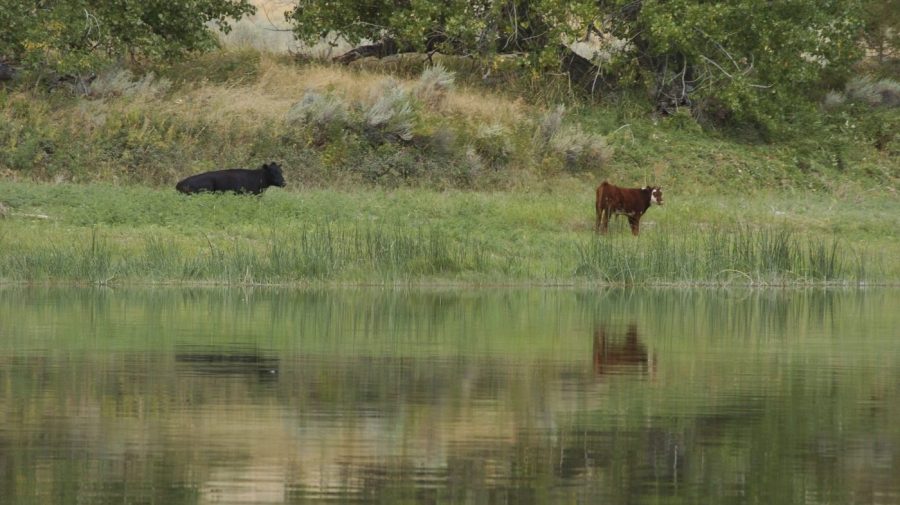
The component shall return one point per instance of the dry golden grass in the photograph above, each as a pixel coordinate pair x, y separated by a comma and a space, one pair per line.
279, 85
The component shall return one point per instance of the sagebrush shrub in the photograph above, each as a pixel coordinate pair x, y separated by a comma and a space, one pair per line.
492, 144
318, 110
550, 123
122, 82
392, 117
433, 84
880, 93
581, 150
833, 100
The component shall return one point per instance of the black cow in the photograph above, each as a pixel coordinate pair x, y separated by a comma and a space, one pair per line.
236, 180
632, 202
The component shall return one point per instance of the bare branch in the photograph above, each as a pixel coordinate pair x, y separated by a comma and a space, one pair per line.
718, 66
759, 86
736, 66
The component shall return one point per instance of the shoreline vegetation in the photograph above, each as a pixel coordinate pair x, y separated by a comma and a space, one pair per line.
100, 234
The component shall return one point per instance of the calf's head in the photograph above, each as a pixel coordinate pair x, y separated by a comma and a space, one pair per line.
273, 172
655, 194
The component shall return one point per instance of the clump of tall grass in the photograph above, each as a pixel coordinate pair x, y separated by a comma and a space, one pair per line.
312, 253
742, 256
833, 100
578, 149
318, 110
92, 260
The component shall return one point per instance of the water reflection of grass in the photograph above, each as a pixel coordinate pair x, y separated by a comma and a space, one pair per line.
102, 234
760, 392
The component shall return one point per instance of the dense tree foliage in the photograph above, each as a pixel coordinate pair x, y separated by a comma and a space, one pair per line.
754, 60
741, 58
455, 26
72, 35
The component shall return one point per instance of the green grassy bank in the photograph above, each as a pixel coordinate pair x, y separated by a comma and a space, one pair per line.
427, 175
101, 233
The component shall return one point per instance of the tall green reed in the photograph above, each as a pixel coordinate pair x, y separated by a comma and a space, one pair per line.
743, 255
362, 252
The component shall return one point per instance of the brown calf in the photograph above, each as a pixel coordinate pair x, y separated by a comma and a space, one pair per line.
632, 202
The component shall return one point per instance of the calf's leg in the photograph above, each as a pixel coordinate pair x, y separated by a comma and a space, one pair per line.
635, 222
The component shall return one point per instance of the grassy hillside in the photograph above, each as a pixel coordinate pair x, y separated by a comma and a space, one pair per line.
334, 126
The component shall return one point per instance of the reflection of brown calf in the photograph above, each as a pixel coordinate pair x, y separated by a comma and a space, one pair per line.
619, 357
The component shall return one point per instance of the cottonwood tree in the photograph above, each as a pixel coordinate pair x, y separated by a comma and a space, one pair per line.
533, 29
755, 60
71, 36
742, 59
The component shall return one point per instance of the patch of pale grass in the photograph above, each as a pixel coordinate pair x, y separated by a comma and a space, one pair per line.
223, 104
359, 86
392, 113
485, 106
279, 86
287, 80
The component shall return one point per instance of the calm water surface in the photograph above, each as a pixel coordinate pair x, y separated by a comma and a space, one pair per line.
174, 396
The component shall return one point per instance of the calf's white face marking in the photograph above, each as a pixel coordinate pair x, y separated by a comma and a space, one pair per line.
656, 197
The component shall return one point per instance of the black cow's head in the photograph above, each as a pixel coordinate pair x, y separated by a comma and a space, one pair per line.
273, 170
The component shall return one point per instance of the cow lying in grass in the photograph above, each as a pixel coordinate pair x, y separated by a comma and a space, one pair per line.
632, 202
236, 180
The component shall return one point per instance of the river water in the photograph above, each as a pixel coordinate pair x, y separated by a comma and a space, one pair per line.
195, 396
